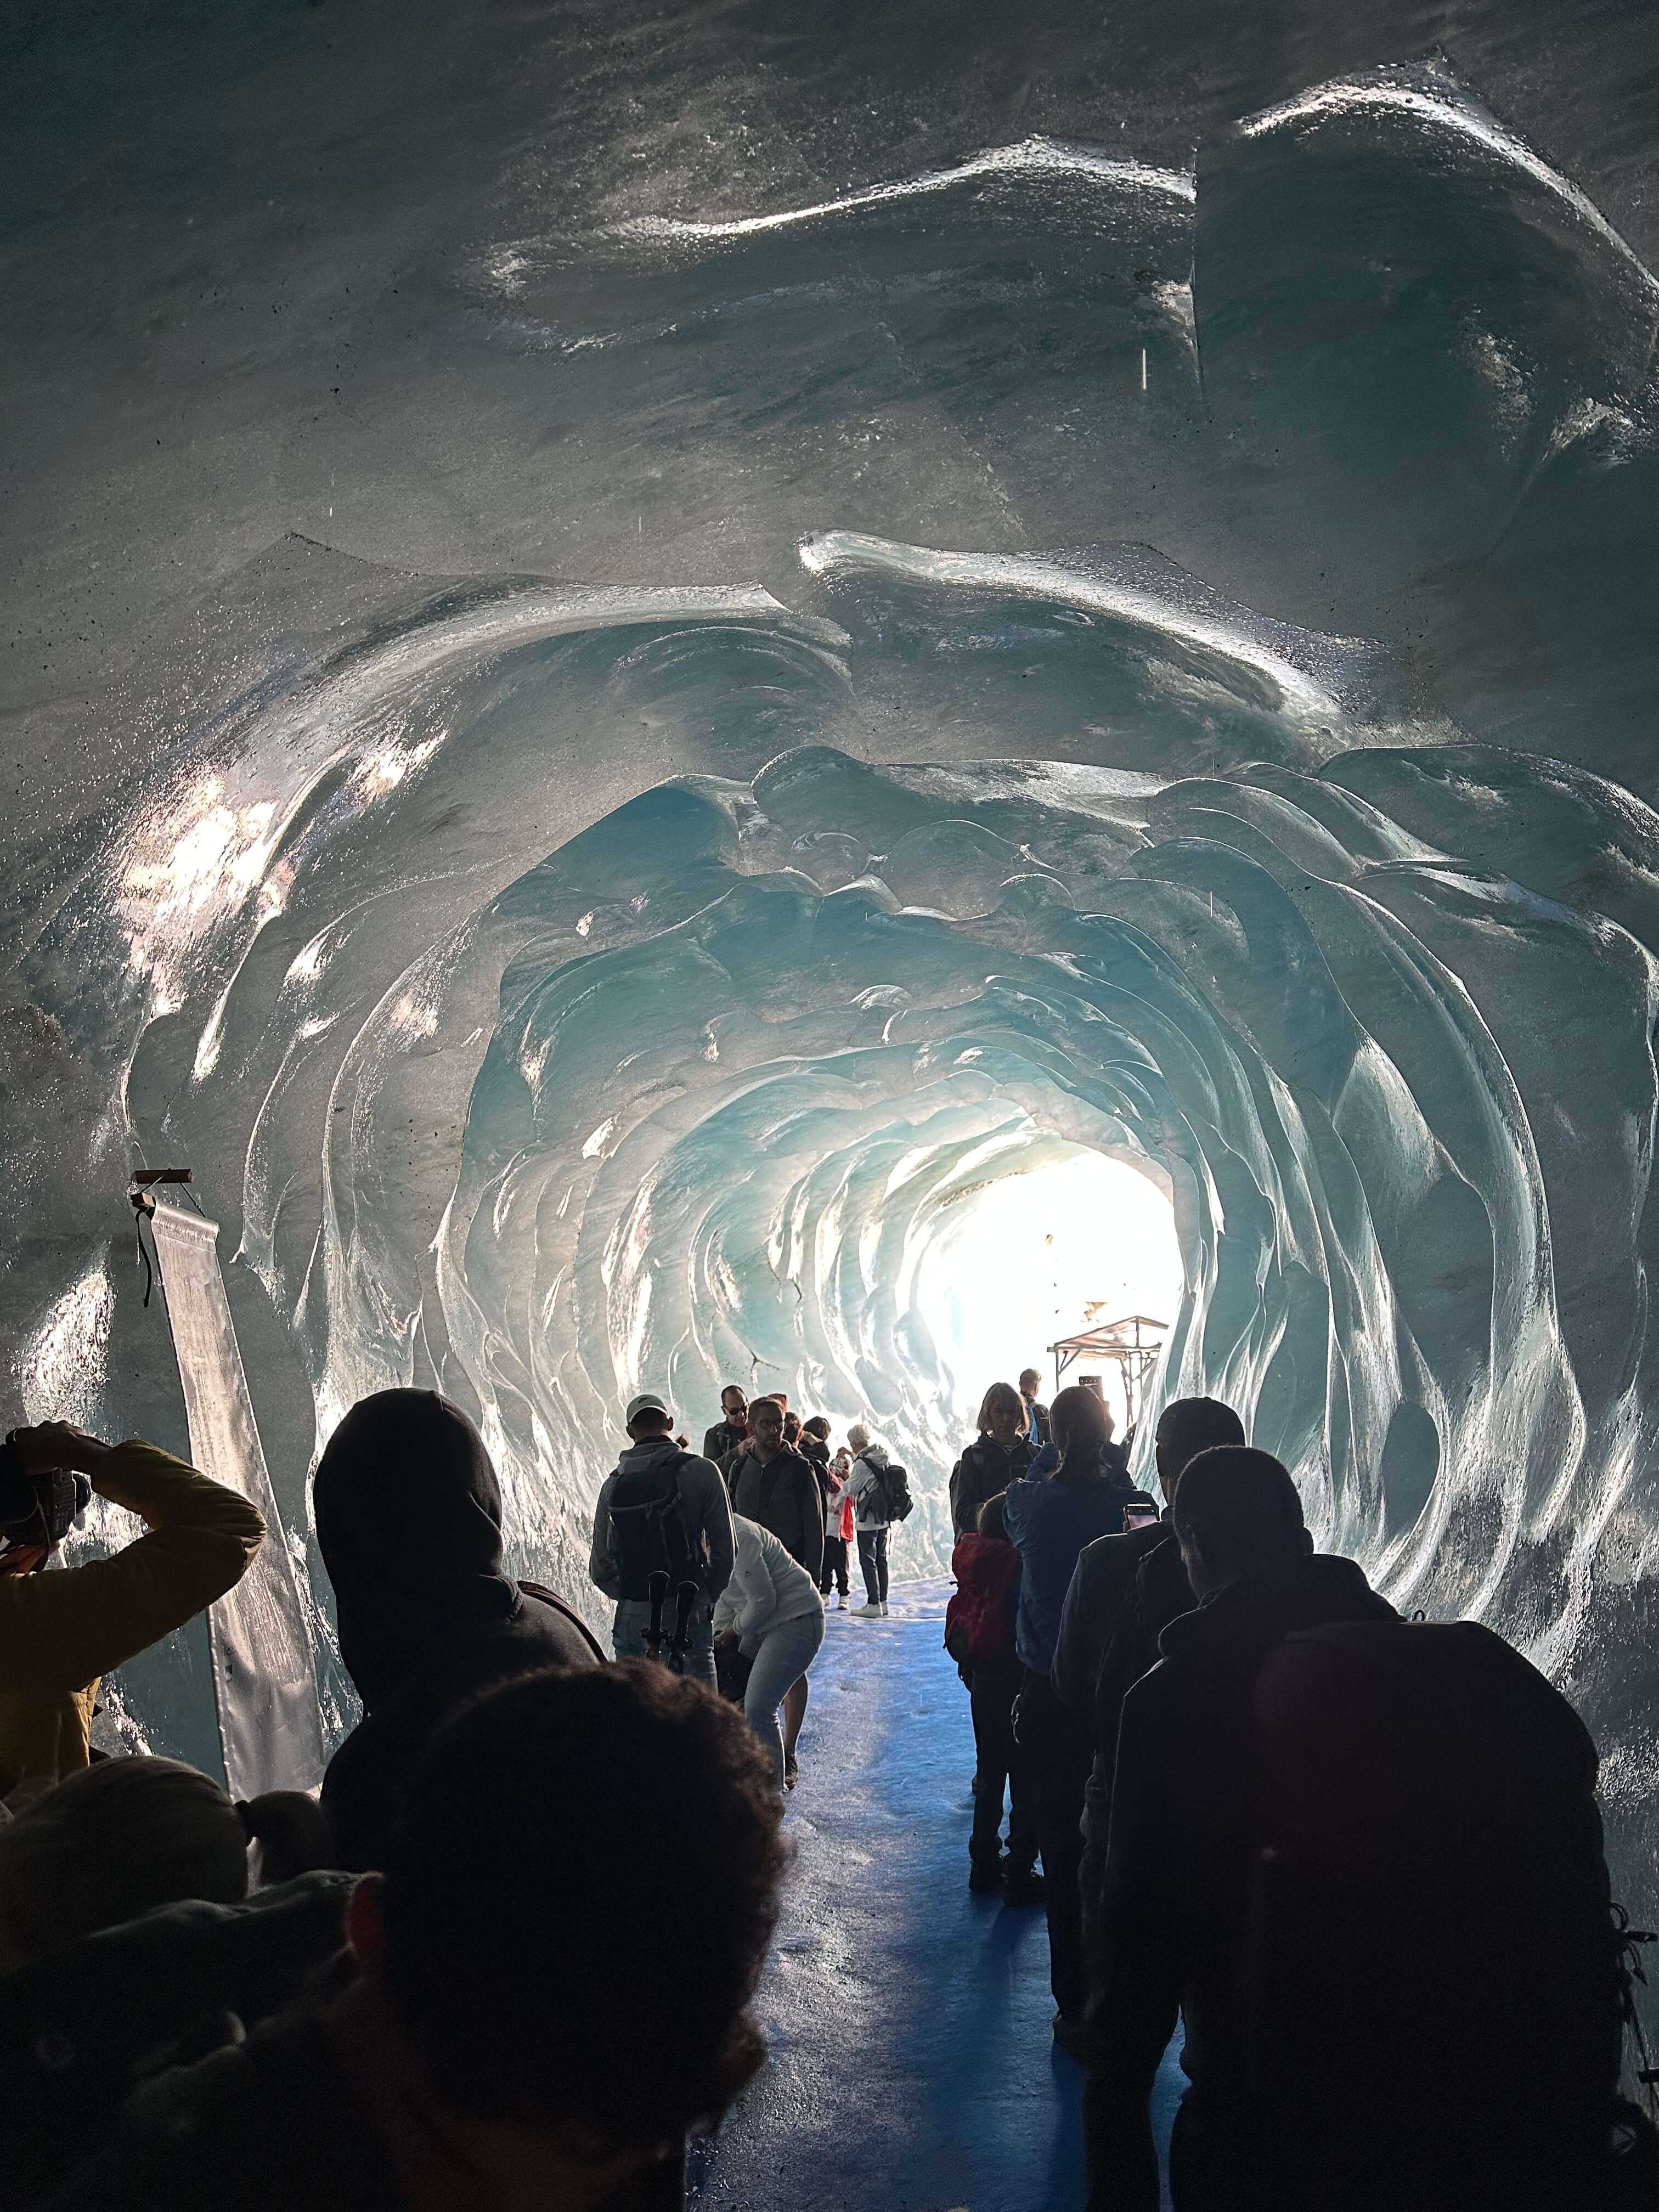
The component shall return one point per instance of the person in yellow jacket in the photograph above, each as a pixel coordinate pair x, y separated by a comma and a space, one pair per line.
59, 1632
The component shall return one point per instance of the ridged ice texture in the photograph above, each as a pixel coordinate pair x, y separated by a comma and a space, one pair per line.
576, 995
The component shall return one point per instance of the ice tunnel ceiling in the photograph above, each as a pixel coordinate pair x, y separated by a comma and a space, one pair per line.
644, 659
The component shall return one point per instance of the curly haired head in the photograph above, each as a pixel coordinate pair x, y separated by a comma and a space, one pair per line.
582, 1850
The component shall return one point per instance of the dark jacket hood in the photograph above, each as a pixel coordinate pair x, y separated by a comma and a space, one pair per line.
409, 1522
1260, 1610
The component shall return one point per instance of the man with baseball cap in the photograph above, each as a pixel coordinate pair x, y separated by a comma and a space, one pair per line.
661, 1509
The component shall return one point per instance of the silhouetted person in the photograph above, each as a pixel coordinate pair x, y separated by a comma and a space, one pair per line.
979, 1634
60, 1631
547, 1989
1124, 1592
1049, 1522
773, 1485
1036, 1415
113, 1840
409, 1522
1363, 1857
995, 1458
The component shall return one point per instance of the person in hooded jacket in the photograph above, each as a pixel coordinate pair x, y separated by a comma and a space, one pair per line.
409, 1521
998, 1456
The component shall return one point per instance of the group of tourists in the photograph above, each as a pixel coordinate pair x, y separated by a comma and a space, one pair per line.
423, 1988
755, 1531
1357, 1859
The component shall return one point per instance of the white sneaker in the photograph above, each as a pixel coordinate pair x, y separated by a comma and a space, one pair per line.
883, 1609
840, 1602
868, 1612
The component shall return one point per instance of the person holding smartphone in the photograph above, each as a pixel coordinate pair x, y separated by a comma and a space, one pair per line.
60, 1633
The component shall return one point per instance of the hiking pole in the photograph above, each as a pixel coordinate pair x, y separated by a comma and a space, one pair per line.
685, 1600
657, 1587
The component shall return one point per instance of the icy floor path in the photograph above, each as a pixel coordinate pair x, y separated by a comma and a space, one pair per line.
912, 2067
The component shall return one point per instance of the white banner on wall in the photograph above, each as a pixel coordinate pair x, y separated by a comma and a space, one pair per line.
264, 1683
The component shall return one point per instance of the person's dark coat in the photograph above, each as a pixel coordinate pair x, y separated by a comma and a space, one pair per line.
815, 1453
984, 1470
152, 1993
270, 2124
785, 1497
1103, 1583
721, 1441
1159, 1594
1051, 1521
1126, 1591
1406, 1861
1171, 1922
409, 1521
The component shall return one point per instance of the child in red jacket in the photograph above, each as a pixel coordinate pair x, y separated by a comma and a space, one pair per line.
979, 1634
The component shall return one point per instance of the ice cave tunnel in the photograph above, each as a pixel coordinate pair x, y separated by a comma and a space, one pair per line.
651, 658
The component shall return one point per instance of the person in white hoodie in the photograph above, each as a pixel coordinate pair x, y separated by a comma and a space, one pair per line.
868, 1457
772, 1610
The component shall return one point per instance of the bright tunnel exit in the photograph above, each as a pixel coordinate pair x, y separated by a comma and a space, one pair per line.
1023, 1261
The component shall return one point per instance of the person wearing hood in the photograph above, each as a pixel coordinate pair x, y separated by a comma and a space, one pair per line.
998, 1454
664, 1510
408, 1512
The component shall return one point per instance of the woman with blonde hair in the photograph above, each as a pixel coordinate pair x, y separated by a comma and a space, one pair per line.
998, 1456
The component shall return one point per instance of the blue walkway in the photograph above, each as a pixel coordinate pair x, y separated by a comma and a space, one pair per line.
912, 2068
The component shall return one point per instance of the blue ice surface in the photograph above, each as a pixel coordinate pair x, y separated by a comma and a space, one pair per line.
913, 2067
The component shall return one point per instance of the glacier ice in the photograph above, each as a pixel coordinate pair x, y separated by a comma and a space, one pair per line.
563, 985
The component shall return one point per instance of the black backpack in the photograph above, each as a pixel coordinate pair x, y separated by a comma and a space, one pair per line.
891, 1491
1435, 1883
650, 1531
